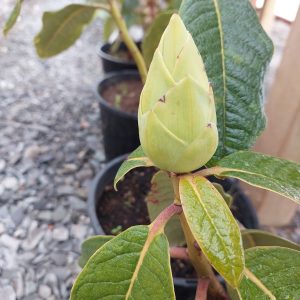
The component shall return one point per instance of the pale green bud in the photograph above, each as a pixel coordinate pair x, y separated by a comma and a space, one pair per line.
177, 117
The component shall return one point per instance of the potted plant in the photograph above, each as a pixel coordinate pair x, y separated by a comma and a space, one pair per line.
136, 263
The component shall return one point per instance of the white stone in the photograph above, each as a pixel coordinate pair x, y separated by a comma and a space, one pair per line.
60, 234
10, 183
79, 231
2, 228
7, 293
44, 291
9, 242
2, 165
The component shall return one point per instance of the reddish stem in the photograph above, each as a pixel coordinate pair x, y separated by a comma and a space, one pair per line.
202, 288
165, 216
179, 252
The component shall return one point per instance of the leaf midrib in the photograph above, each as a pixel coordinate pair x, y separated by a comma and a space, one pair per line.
219, 18
211, 221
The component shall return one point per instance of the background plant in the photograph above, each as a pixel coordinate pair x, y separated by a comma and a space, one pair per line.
212, 235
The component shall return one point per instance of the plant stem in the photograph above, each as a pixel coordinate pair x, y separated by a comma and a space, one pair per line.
197, 258
202, 286
100, 6
162, 219
179, 252
132, 47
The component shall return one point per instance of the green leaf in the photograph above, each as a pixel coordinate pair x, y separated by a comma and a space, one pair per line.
159, 197
235, 51
62, 28
252, 238
136, 159
278, 175
90, 246
108, 27
133, 265
153, 35
213, 227
277, 269
12, 19
227, 197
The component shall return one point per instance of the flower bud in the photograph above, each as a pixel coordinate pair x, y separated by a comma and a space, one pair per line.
177, 117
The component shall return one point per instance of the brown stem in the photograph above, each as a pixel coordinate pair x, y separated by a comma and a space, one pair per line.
179, 252
132, 47
202, 287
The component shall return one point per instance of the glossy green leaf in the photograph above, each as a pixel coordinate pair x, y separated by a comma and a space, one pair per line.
213, 226
12, 19
235, 51
133, 265
277, 269
136, 159
90, 246
253, 237
278, 175
153, 35
161, 196
62, 28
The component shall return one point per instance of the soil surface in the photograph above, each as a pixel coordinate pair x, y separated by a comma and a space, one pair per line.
124, 94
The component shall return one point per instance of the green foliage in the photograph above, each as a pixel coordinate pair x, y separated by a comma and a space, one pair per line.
133, 265
267, 172
235, 51
153, 35
161, 196
278, 269
12, 19
90, 246
213, 227
136, 159
62, 28
253, 237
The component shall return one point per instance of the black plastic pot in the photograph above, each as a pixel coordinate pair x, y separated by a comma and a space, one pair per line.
111, 63
185, 288
120, 129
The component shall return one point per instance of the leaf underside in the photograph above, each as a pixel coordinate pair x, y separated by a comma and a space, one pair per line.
213, 227
90, 246
235, 51
135, 160
253, 238
277, 268
133, 265
267, 172
62, 28
159, 197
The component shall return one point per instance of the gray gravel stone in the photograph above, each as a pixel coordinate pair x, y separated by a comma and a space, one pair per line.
60, 234
10, 183
45, 291
7, 293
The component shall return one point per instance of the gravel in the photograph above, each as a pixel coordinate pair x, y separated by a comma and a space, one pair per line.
47, 156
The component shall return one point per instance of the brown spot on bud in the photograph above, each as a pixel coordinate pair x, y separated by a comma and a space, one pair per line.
209, 125
163, 99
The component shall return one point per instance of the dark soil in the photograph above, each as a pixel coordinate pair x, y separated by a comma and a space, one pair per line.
128, 208
124, 94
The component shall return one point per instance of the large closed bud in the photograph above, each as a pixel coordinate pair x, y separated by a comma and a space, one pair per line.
177, 117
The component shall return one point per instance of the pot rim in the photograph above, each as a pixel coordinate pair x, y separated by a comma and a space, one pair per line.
112, 58
105, 81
